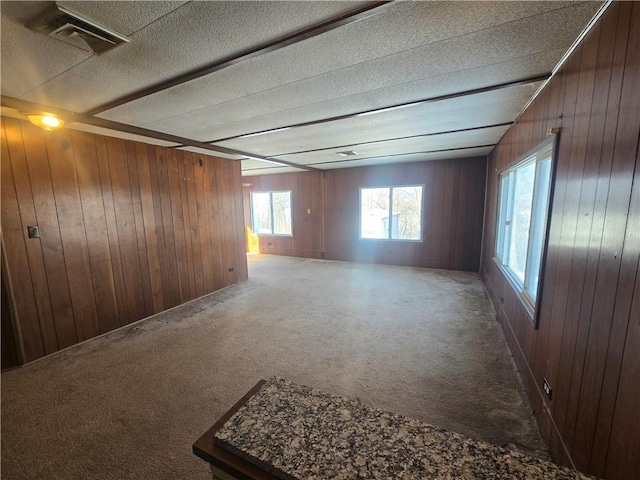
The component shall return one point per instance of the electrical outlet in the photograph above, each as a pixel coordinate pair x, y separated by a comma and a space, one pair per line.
33, 231
231, 269
547, 388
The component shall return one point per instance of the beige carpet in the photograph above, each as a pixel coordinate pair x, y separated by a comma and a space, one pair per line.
423, 343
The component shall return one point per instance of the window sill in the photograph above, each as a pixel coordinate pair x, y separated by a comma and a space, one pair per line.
517, 289
278, 235
389, 240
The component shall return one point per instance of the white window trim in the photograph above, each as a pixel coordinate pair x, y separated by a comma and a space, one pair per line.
389, 239
271, 192
530, 304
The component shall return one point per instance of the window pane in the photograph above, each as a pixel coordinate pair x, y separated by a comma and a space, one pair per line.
261, 211
503, 217
282, 213
538, 225
521, 219
374, 213
407, 207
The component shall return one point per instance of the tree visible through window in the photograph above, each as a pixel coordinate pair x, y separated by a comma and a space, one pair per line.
393, 213
271, 213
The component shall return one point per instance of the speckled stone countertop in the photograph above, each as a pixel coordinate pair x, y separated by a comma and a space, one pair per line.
297, 432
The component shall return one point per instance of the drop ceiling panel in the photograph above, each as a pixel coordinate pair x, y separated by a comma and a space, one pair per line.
245, 115
464, 112
417, 157
47, 58
124, 17
193, 35
483, 137
405, 52
388, 49
50, 58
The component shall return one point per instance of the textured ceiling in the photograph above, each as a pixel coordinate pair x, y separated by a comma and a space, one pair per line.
394, 54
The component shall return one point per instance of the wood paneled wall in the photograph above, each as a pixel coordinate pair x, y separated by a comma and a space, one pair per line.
452, 215
588, 341
126, 230
306, 194
453, 206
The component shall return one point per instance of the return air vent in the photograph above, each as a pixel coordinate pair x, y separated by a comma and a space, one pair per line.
69, 27
347, 153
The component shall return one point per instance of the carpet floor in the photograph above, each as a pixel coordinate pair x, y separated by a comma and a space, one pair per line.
128, 405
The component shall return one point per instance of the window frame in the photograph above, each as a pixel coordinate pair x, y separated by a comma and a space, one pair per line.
391, 187
271, 192
531, 304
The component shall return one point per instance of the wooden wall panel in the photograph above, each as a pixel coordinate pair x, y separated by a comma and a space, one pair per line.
587, 341
93, 212
453, 199
127, 230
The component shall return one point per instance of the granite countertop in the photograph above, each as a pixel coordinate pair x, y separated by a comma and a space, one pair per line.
297, 432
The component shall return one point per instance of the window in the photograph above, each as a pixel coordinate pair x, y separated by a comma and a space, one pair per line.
391, 213
522, 220
271, 213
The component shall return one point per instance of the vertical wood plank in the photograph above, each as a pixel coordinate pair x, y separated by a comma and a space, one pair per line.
193, 234
153, 172
186, 223
577, 201
50, 239
222, 170
22, 182
600, 148
172, 296
241, 257
139, 228
93, 211
18, 261
112, 230
175, 180
204, 216
72, 232
126, 226
607, 283
215, 225
150, 230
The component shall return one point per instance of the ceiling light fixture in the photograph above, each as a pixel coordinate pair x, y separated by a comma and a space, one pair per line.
45, 120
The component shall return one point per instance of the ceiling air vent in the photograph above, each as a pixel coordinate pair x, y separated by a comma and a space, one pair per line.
74, 29
347, 153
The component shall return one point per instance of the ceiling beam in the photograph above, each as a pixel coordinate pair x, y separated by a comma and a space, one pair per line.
460, 130
27, 106
439, 98
368, 10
